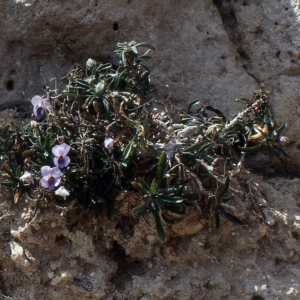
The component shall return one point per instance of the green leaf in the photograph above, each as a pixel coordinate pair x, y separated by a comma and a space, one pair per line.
281, 128
195, 102
278, 150
140, 208
249, 149
64, 80
244, 100
145, 57
83, 84
47, 143
225, 186
127, 151
138, 187
216, 111
159, 226
9, 184
232, 151
144, 185
104, 67
196, 146
146, 45
4, 131
161, 167
173, 199
152, 149
231, 217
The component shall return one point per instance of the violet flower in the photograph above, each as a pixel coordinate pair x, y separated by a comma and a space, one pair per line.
61, 191
61, 159
108, 144
51, 177
39, 106
27, 177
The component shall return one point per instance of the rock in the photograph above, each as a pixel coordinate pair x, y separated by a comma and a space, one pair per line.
17, 254
187, 226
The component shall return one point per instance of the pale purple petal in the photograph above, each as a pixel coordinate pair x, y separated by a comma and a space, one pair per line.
44, 183
61, 191
108, 144
39, 106
36, 100
27, 177
56, 172
61, 150
51, 177
46, 104
45, 170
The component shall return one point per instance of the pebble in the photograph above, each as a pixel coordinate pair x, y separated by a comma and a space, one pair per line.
291, 253
54, 265
50, 274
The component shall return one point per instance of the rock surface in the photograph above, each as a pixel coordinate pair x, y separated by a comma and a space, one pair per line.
86, 258
213, 50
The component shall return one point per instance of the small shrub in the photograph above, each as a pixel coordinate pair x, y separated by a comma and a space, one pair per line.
100, 137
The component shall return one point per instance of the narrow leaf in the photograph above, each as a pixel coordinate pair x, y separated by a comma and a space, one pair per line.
144, 185
195, 102
5, 131
9, 184
140, 208
196, 147
231, 217
159, 226
249, 149
278, 150
216, 111
161, 166
174, 199
281, 128
225, 186
146, 45
244, 100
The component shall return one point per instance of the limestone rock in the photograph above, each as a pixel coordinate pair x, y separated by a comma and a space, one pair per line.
187, 226
17, 254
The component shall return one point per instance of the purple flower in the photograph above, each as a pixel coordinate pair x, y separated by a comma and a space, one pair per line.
39, 106
51, 177
61, 159
61, 191
108, 144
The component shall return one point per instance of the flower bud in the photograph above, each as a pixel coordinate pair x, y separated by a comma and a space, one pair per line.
90, 64
100, 89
